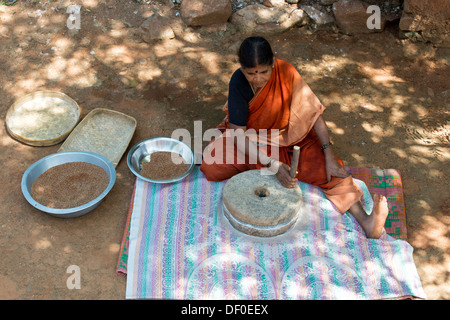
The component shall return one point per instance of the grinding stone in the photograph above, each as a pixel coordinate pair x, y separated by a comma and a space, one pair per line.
257, 204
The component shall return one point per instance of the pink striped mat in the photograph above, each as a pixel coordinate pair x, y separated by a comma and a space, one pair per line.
181, 247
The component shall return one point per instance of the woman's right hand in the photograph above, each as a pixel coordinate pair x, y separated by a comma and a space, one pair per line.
282, 174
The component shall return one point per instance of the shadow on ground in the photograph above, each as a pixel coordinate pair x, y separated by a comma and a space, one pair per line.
386, 99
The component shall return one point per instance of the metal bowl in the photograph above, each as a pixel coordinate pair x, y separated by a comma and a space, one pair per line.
141, 152
53, 160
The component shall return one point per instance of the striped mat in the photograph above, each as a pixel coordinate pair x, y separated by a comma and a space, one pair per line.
178, 245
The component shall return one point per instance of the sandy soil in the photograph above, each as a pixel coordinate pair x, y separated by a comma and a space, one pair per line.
387, 107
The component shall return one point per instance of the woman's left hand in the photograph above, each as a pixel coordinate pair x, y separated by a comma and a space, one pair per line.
334, 168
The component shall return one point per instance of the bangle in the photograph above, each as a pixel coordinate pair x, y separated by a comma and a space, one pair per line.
326, 145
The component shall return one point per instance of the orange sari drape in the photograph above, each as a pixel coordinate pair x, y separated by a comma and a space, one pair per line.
285, 103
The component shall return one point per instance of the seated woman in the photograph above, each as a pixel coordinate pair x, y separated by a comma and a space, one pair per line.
267, 93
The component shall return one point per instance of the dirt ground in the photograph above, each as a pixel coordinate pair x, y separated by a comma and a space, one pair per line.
387, 107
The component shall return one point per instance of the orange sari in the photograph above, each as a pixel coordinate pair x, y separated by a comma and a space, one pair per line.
285, 103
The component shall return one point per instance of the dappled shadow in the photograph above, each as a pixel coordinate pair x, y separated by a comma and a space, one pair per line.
386, 99
387, 107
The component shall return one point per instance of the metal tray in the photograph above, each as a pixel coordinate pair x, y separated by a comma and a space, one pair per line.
102, 131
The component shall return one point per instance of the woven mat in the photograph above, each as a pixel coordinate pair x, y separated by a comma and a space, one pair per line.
387, 182
178, 245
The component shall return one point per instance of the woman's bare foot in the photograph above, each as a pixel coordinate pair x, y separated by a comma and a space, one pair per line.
372, 224
375, 223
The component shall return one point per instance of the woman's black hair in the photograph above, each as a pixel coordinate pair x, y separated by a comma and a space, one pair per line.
255, 51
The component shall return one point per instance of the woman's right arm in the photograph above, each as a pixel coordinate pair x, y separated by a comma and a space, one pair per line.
277, 167
252, 152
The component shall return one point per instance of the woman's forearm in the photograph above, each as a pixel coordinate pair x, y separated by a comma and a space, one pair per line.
248, 147
333, 167
321, 129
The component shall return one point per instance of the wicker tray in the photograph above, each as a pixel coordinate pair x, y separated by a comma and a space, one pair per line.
42, 118
103, 131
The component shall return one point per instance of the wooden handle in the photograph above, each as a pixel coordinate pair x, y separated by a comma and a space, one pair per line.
294, 162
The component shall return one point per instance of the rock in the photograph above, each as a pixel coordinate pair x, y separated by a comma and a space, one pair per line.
430, 18
156, 27
168, 3
292, 1
445, 94
409, 22
205, 12
351, 17
4, 31
274, 3
319, 17
263, 20
64, 4
128, 82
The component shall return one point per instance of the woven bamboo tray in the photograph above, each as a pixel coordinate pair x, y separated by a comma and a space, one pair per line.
102, 131
42, 118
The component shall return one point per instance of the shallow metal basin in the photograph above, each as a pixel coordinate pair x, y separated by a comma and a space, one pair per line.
42, 165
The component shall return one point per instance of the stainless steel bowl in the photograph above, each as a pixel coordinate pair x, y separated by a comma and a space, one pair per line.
42, 165
141, 152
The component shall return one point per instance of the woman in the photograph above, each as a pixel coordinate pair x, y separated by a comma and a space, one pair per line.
269, 93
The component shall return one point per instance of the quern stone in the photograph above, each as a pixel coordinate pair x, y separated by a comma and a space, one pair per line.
257, 204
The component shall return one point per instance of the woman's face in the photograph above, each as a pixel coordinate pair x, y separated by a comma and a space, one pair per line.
258, 76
